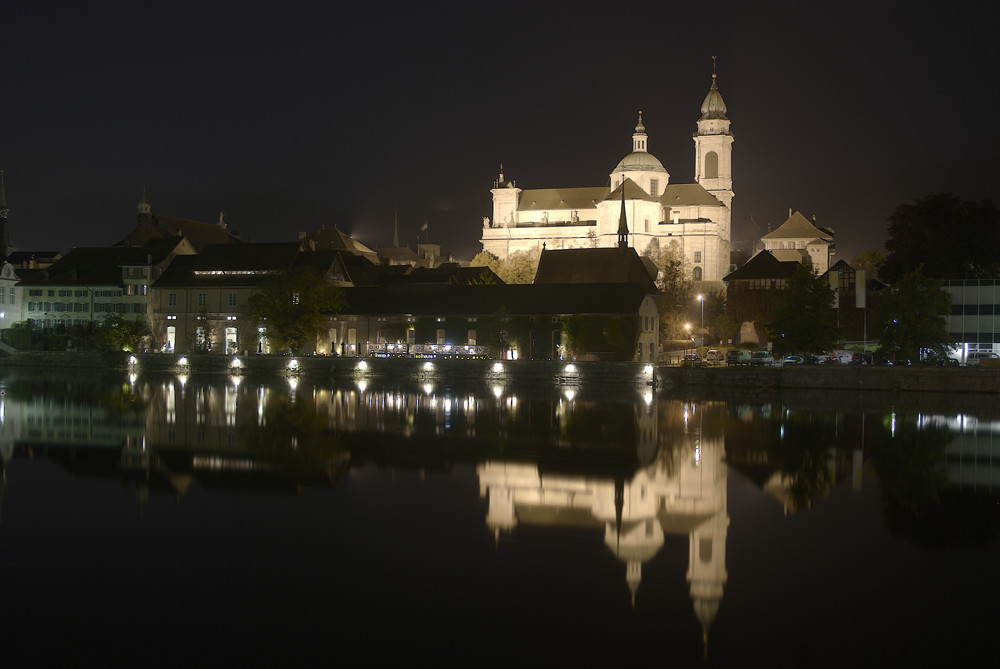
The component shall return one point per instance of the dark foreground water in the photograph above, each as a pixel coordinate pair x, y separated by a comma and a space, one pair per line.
175, 521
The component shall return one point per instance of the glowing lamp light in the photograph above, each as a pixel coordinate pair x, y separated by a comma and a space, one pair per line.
570, 394
571, 368
428, 388
362, 365
237, 363
428, 366
497, 391
647, 397
648, 369
293, 364
183, 361
362, 385
497, 367
132, 361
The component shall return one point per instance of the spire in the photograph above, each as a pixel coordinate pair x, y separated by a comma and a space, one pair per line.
395, 223
713, 106
144, 209
623, 222
3, 197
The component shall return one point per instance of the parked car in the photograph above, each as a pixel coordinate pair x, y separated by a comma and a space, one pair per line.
713, 357
691, 360
760, 358
737, 356
792, 360
976, 357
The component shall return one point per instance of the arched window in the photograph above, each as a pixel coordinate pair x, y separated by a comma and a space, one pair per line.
697, 274
711, 165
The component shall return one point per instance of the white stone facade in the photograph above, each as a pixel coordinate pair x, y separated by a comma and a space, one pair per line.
696, 217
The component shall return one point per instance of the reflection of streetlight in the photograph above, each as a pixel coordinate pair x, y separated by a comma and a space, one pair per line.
701, 298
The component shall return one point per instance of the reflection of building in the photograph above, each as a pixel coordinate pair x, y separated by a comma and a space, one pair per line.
682, 493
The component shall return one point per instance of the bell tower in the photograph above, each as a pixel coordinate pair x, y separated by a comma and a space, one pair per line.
713, 142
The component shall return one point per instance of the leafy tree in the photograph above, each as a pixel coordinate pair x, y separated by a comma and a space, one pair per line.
204, 343
115, 333
591, 334
294, 306
519, 267
486, 259
674, 286
950, 238
869, 260
910, 317
804, 320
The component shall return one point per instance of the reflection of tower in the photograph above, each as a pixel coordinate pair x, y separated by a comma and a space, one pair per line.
681, 492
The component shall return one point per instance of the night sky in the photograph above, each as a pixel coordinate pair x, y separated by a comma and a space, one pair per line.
289, 118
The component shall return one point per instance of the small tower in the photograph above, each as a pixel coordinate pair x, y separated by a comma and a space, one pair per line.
144, 213
713, 155
623, 224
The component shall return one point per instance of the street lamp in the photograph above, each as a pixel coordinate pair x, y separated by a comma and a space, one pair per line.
701, 298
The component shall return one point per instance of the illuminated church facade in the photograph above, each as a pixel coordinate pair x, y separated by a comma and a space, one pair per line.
694, 218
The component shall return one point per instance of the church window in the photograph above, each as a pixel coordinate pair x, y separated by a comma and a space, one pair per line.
654, 187
697, 274
697, 256
711, 165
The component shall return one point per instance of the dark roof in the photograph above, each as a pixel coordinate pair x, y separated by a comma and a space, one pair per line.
594, 266
763, 266
199, 234
244, 264
520, 299
398, 253
448, 272
24, 257
100, 266
333, 239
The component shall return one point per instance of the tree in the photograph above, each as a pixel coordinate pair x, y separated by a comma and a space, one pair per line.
115, 333
869, 260
674, 286
804, 320
948, 237
519, 267
294, 306
911, 318
486, 259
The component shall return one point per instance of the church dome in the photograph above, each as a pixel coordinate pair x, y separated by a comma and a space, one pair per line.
713, 106
639, 161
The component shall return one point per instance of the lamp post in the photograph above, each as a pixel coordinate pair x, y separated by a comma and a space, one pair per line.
701, 298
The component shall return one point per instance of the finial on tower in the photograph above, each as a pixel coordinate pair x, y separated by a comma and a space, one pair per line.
640, 129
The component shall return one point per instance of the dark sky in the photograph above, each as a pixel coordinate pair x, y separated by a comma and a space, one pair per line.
290, 117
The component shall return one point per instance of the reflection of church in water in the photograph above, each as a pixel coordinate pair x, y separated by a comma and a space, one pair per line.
682, 492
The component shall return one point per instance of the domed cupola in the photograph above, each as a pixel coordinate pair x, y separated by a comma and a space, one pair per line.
641, 166
713, 106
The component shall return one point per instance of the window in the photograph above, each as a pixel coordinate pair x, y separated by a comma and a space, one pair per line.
35, 292
696, 275
172, 300
13, 299
144, 287
202, 299
232, 299
52, 293
654, 187
697, 256
295, 298
711, 165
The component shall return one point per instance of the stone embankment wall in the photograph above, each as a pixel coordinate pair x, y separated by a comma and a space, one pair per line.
839, 377
463, 372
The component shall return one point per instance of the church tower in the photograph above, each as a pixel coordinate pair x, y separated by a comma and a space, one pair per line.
713, 155
144, 211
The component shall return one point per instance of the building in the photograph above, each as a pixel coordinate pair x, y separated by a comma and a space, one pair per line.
155, 226
80, 289
974, 320
798, 239
696, 218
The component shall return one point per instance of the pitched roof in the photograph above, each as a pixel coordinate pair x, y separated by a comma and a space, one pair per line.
798, 227
520, 299
685, 195
336, 240
561, 198
242, 264
101, 265
594, 266
198, 233
763, 266
633, 191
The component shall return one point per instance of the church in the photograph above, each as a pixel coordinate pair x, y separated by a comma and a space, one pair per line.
694, 218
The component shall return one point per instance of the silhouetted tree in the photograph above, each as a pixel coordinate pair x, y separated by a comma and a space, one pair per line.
910, 317
804, 320
950, 238
295, 305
